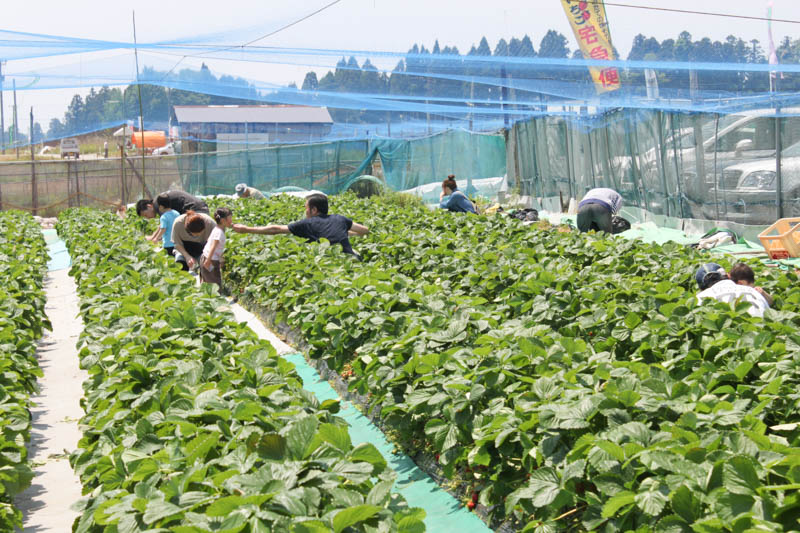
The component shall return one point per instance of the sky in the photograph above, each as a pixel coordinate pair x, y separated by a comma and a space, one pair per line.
379, 25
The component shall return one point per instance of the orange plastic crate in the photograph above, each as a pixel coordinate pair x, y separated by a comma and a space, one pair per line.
782, 239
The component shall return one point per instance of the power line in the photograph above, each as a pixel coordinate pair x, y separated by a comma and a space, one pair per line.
270, 34
692, 12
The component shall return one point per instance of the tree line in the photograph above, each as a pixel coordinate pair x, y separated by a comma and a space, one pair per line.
438, 73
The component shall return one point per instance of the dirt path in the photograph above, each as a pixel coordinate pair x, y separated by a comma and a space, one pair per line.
55, 487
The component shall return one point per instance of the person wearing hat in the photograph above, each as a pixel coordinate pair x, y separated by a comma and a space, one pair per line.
243, 191
714, 283
596, 209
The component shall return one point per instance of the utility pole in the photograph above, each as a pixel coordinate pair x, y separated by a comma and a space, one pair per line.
2, 117
141, 111
16, 126
34, 191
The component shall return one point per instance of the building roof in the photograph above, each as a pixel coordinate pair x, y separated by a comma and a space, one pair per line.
253, 114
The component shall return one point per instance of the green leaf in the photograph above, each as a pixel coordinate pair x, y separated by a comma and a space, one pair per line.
199, 447
739, 476
272, 446
335, 435
157, 510
684, 504
312, 526
300, 436
353, 515
615, 503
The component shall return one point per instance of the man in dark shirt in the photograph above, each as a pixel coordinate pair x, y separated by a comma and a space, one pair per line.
178, 200
317, 225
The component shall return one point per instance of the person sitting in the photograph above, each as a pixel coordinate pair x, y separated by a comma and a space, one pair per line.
243, 191
452, 199
317, 225
715, 283
742, 274
596, 209
180, 201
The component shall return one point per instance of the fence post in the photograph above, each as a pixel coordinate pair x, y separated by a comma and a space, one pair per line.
205, 172
34, 189
778, 172
122, 174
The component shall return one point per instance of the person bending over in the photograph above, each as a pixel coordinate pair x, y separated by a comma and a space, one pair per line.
452, 199
178, 200
243, 191
596, 208
742, 274
190, 233
167, 217
715, 283
317, 225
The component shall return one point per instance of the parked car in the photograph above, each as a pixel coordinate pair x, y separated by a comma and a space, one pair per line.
70, 148
753, 200
168, 149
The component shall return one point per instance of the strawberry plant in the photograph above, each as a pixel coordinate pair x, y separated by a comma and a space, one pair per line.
192, 423
23, 265
574, 375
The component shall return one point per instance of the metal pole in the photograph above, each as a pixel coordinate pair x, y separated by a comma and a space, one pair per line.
2, 113
16, 126
141, 111
34, 189
716, 175
122, 172
660, 160
778, 172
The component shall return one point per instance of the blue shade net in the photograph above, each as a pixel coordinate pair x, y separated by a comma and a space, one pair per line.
675, 139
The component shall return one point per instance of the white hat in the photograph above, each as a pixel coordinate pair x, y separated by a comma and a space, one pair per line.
240, 188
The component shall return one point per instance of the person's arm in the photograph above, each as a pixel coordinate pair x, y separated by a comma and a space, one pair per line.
272, 229
766, 296
157, 235
444, 201
207, 262
357, 230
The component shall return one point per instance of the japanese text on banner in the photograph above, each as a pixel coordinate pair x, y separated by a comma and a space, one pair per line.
588, 21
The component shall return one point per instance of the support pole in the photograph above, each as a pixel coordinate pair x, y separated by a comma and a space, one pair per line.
141, 111
778, 172
122, 173
2, 113
34, 188
16, 126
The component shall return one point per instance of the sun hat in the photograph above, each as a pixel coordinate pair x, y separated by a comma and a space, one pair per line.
708, 274
240, 188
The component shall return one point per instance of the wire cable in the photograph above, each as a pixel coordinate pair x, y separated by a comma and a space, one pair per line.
692, 12
270, 34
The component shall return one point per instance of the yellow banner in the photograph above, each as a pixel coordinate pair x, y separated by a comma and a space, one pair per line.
589, 23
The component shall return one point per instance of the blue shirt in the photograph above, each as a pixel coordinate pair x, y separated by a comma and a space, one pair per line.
167, 219
458, 203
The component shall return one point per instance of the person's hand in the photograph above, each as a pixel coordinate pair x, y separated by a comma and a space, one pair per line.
207, 263
190, 262
761, 291
239, 228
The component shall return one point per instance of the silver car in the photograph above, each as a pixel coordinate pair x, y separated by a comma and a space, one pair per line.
754, 199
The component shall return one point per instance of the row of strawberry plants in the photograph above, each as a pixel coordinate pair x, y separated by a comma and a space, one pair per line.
23, 265
573, 377
192, 423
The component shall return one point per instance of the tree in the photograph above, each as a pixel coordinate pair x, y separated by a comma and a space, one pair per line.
310, 83
553, 44
56, 129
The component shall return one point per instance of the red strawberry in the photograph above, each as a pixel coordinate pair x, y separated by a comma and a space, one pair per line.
470, 505
475, 497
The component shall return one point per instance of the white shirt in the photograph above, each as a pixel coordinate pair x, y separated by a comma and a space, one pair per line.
216, 235
728, 291
608, 196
